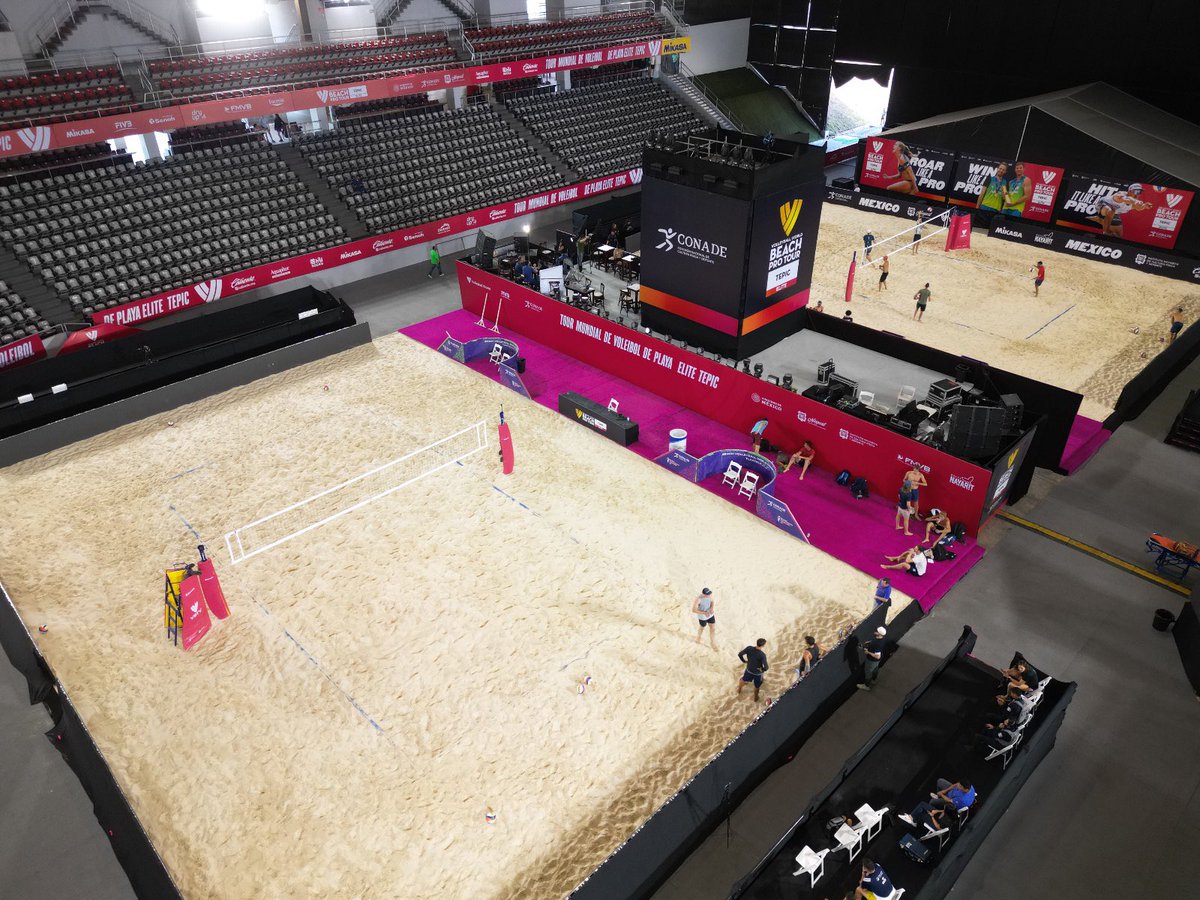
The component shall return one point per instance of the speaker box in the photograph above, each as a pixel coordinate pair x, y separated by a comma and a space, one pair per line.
846, 184
977, 430
1014, 413
520, 365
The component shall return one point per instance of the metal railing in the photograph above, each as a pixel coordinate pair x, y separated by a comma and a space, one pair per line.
62, 13
712, 98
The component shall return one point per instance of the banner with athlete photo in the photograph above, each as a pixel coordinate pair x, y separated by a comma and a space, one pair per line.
1022, 189
1144, 213
905, 168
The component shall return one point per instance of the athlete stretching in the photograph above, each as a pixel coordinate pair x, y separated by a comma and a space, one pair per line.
906, 179
1109, 209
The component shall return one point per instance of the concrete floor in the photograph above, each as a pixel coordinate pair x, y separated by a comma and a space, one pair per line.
1113, 811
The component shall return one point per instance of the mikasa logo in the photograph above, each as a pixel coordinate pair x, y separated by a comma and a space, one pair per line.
1000, 229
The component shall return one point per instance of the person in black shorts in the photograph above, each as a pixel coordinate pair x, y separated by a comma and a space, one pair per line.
884, 267
756, 665
922, 297
1176, 324
1039, 277
705, 611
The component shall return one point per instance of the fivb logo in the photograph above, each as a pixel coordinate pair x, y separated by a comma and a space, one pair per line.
1173, 200
1047, 176
667, 243
36, 139
322, 95
655, 47
788, 214
208, 291
635, 175
877, 146
91, 334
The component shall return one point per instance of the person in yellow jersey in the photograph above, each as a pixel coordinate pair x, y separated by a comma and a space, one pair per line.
991, 198
1016, 192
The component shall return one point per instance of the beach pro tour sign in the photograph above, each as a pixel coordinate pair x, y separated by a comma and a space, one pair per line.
782, 249
1019, 189
902, 168
1132, 211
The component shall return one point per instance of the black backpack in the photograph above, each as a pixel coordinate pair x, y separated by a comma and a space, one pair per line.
843, 477
942, 551
859, 488
959, 531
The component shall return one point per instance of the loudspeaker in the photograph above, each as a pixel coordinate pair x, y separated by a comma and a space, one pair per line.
520, 365
520, 245
485, 249
846, 184
1014, 413
976, 429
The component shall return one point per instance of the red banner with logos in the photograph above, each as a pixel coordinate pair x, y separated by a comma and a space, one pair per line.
20, 141
214, 289
734, 398
93, 337
196, 622
1144, 213
18, 353
906, 169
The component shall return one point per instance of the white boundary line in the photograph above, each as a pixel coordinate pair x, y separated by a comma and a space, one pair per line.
481, 444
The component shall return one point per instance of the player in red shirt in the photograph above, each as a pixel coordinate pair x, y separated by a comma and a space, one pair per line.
1039, 277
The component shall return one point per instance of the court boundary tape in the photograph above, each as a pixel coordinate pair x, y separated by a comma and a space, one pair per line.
1095, 553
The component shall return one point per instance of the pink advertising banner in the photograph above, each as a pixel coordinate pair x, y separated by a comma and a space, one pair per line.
18, 353
214, 289
20, 141
734, 398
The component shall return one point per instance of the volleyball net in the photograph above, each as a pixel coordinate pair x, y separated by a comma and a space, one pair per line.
354, 493
903, 240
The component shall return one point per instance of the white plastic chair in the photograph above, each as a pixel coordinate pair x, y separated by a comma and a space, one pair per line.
870, 820
907, 394
811, 863
866, 398
942, 835
732, 474
896, 894
1005, 752
749, 484
497, 353
850, 839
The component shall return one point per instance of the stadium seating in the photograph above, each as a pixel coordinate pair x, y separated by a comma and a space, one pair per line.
599, 129
418, 168
262, 69
111, 235
66, 94
533, 38
412, 103
17, 318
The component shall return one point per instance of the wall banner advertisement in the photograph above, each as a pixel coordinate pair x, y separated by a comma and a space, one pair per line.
1017, 189
1144, 213
906, 169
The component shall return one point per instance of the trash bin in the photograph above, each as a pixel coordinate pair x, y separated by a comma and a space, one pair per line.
1163, 619
678, 440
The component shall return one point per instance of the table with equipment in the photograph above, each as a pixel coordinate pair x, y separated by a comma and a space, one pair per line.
598, 418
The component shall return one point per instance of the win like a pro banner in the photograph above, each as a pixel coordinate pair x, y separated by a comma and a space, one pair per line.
1019, 189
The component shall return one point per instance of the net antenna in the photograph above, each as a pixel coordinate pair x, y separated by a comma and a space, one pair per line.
332, 503
482, 323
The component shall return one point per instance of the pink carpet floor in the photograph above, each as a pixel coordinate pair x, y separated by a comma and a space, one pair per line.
857, 532
1086, 437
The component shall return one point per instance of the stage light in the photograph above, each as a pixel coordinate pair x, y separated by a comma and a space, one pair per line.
231, 9
525, 228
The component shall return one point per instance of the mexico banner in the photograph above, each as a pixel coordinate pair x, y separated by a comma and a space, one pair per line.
905, 168
1019, 189
1144, 213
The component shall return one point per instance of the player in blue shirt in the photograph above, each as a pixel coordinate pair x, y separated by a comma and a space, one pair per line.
874, 882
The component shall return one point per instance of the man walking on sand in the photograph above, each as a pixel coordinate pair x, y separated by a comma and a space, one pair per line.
756, 664
1176, 324
922, 297
1039, 276
884, 268
706, 615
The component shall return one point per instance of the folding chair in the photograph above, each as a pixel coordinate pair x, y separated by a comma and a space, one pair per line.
732, 474
1005, 752
497, 354
811, 863
749, 484
850, 839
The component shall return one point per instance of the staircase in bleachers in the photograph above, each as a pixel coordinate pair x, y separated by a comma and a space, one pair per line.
321, 189
544, 150
399, 171
27, 306
598, 129
105, 236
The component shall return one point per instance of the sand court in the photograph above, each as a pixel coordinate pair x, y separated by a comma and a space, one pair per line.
1075, 335
390, 677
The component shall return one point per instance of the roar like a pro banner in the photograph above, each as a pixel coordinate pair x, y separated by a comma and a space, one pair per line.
1019, 189
693, 253
1134, 212
783, 246
905, 168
